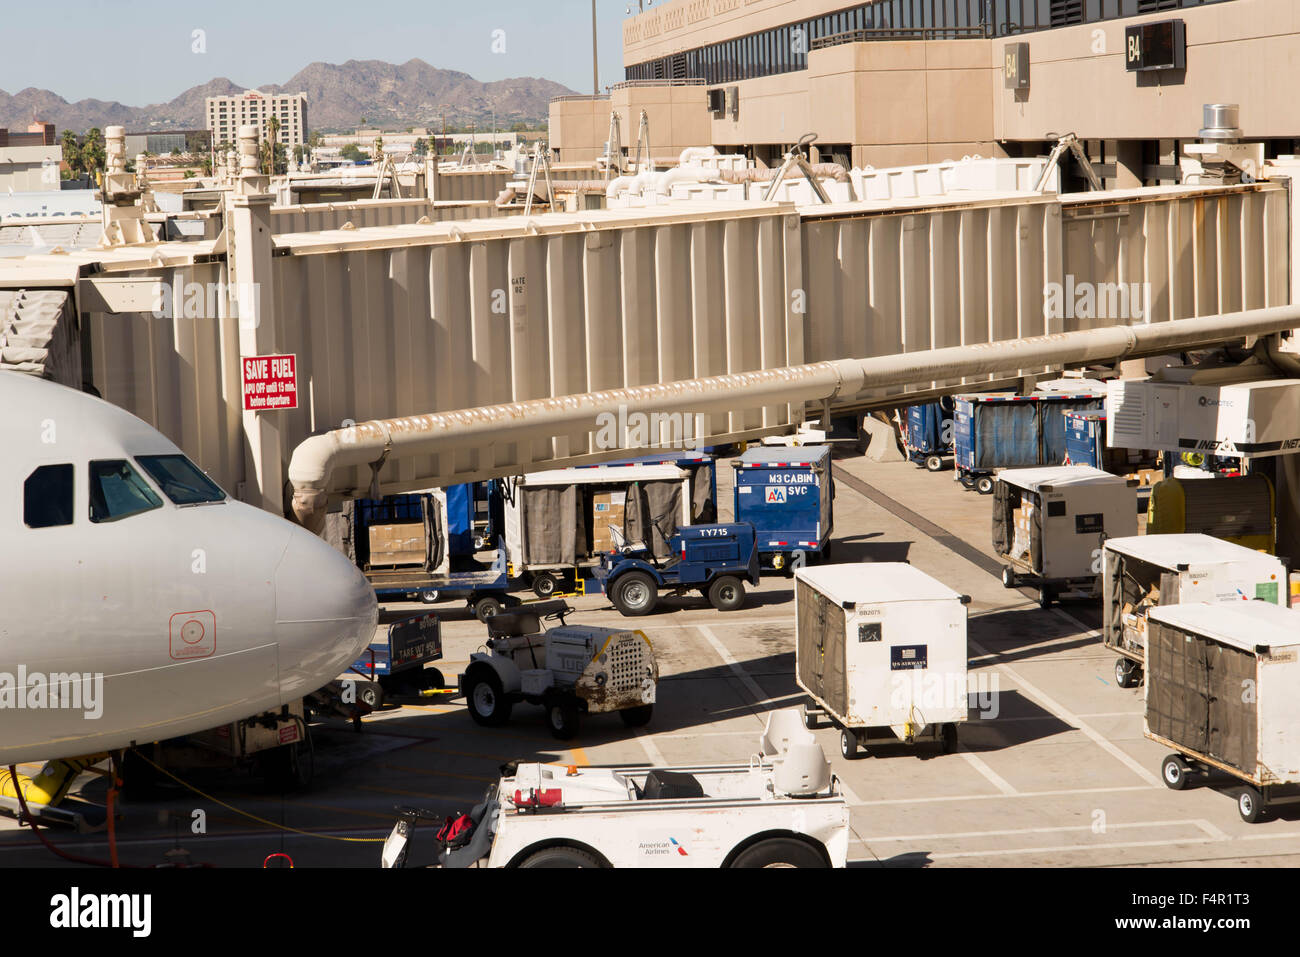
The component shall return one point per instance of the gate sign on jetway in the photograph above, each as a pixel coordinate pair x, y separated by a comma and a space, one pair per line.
270, 382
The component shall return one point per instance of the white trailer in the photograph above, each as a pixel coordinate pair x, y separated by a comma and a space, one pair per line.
549, 517
1145, 571
1050, 523
881, 651
783, 809
1223, 691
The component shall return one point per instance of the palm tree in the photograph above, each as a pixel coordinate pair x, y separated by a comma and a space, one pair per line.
273, 137
72, 152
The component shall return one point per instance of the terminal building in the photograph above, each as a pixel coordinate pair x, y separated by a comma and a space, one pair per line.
903, 82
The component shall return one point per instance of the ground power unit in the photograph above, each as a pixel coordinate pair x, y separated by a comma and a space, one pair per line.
1146, 571
880, 648
1223, 691
1050, 524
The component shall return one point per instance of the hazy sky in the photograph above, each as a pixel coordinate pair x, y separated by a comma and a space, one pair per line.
149, 56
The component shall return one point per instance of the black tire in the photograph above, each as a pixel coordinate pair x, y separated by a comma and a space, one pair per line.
432, 680
1250, 805
966, 481
371, 694
635, 594
984, 485
809, 719
849, 745
1173, 771
487, 702
1126, 671
637, 717
561, 857
563, 718
948, 738
487, 607
1009, 578
545, 585
933, 463
429, 597
1044, 597
727, 593
780, 852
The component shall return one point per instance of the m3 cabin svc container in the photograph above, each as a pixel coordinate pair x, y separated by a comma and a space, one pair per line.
1012, 431
881, 651
1050, 524
787, 494
1223, 691
1146, 571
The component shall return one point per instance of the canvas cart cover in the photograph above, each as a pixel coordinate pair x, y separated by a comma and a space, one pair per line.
821, 651
703, 509
1195, 695
653, 508
556, 528
1002, 508
39, 335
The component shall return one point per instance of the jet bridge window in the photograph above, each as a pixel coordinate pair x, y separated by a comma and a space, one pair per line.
180, 479
117, 491
47, 497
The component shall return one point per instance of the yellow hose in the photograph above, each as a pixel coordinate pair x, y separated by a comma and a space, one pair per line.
51, 785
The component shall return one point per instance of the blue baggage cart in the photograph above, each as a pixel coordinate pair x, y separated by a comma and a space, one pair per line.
787, 494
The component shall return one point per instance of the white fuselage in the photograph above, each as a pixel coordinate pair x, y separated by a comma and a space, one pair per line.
167, 621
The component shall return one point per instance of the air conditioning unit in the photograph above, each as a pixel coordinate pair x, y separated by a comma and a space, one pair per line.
717, 102
1246, 419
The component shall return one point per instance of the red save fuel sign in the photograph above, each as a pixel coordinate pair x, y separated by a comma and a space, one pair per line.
270, 382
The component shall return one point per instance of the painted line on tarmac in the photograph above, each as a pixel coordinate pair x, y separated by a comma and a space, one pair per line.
987, 564
960, 835
751, 686
989, 774
1065, 792
651, 750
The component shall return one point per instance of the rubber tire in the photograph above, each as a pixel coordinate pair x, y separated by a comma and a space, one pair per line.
432, 680
1250, 805
849, 746
933, 463
1044, 598
545, 585
779, 852
718, 597
984, 485
1009, 578
501, 705
1125, 672
487, 607
429, 597
637, 717
563, 718
966, 481
560, 857
948, 738
629, 581
1173, 771
370, 693
810, 719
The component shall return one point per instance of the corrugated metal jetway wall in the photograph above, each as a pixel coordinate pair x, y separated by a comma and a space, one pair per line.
883, 281
314, 217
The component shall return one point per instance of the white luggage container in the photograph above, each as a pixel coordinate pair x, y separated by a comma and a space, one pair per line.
881, 650
1050, 523
1223, 690
1142, 572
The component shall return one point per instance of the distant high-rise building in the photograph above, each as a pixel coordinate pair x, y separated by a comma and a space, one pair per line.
226, 114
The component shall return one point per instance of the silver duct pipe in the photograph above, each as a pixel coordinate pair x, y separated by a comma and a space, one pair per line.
373, 443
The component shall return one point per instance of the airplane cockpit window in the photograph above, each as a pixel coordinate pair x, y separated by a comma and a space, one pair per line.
47, 497
180, 479
117, 491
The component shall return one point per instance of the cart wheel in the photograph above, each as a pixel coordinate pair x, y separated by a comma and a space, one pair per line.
432, 680
966, 480
487, 607
371, 694
545, 585
480, 543
637, 717
563, 717
1127, 672
1044, 597
1174, 772
849, 745
727, 593
948, 738
1250, 804
809, 719
1008, 577
635, 594
984, 485
779, 852
485, 698
933, 463
428, 597
561, 857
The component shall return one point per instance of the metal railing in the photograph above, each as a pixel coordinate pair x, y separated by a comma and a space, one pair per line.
679, 81
580, 98
868, 34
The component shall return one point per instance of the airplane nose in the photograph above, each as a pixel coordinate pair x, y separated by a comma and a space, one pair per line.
325, 613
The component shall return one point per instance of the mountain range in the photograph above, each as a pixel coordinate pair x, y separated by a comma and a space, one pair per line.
340, 96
